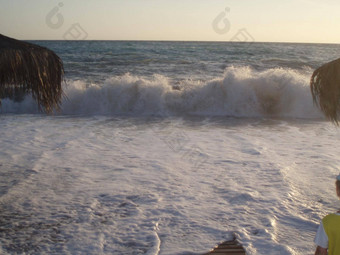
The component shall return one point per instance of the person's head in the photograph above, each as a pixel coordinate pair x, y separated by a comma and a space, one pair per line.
337, 184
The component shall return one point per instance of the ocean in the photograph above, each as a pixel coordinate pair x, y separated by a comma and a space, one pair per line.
170, 148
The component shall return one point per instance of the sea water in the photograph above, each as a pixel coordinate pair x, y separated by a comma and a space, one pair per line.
170, 148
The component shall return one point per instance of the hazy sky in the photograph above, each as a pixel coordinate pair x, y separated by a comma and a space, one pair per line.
204, 20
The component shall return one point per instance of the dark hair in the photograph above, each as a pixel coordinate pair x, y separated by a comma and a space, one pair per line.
337, 183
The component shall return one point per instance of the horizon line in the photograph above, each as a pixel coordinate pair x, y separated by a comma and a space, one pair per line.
156, 40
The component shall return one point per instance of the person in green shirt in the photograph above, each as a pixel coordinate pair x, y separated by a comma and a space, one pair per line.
327, 237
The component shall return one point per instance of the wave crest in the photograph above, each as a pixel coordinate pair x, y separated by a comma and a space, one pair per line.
241, 92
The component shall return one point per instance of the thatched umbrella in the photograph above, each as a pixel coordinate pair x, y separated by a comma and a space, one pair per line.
26, 68
325, 86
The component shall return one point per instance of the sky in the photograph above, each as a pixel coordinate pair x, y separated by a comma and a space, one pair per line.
310, 21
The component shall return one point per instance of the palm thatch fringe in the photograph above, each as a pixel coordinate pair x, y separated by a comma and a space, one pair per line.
26, 68
325, 87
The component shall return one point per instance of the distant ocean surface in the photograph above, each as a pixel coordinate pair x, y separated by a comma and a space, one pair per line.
170, 148
186, 78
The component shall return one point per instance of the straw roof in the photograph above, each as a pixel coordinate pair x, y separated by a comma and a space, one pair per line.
325, 87
26, 68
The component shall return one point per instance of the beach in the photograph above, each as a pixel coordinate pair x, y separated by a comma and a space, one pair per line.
170, 148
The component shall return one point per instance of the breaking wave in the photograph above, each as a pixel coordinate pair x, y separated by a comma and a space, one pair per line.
241, 92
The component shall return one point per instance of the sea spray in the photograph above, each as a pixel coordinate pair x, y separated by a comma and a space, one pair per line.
240, 92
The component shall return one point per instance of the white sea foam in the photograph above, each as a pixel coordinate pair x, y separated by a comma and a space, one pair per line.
102, 185
104, 176
241, 92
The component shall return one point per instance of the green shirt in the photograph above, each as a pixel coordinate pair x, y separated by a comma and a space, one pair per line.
331, 224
